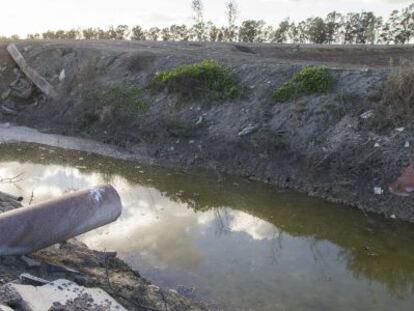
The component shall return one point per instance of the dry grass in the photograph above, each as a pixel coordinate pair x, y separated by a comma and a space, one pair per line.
398, 93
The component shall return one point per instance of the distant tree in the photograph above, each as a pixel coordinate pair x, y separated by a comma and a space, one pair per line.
90, 34
198, 29
154, 33
104, 34
317, 30
137, 33
350, 25
302, 32
333, 23
267, 33
232, 13
282, 31
72, 34
49, 35
213, 32
165, 34
251, 30
364, 28
33, 36
401, 25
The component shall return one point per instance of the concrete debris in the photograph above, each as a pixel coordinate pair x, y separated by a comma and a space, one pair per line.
378, 190
31, 263
60, 295
8, 110
62, 75
55, 268
30, 73
27, 278
5, 94
366, 115
23, 231
248, 130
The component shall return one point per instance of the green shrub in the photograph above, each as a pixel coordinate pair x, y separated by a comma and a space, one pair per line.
86, 119
207, 79
310, 80
123, 101
285, 92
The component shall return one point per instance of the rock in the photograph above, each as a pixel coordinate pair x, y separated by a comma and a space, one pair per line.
248, 130
378, 190
59, 295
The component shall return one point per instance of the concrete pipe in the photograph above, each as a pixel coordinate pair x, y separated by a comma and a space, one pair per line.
28, 229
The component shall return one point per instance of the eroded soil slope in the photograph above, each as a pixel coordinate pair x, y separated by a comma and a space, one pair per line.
330, 145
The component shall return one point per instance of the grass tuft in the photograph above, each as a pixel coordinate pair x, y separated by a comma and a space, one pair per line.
123, 101
310, 80
398, 93
207, 79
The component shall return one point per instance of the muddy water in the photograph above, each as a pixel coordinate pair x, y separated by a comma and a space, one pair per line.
234, 243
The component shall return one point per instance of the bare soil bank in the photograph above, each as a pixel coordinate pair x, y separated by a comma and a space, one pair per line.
317, 144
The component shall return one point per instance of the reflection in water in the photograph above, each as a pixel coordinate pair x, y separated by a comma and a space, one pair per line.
240, 244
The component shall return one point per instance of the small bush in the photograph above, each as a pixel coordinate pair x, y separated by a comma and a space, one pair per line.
123, 101
310, 80
398, 93
207, 79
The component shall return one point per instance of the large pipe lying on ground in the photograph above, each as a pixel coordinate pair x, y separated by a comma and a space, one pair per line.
28, 229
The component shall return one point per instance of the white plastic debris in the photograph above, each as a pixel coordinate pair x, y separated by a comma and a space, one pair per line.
376, 145
248, 130
366, 115
62, 75
62, 292
199, 120
393, 216
407, 144
400, 129
378, 190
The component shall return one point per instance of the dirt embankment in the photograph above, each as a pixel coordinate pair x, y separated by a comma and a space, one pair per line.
326, 145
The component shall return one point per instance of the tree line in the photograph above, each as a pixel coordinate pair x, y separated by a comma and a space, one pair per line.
334, 28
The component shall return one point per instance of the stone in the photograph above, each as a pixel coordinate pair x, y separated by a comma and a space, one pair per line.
60, 295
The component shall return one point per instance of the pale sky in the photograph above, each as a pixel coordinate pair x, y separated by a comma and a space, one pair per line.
30, 16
